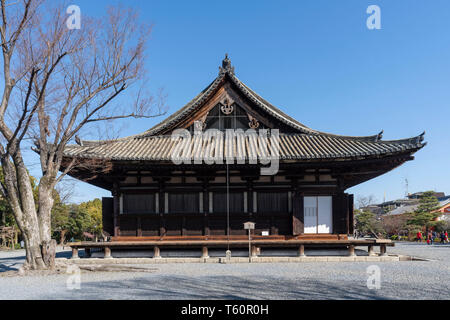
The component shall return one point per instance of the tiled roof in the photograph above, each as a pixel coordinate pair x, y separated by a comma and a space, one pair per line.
402, 210
156, 144
291, 146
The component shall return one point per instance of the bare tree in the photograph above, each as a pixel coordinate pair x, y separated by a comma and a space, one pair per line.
364, 201
57, 83
395, 224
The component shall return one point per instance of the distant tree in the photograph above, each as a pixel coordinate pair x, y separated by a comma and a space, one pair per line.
367, 223
426, 213
94, 209
395, 224
60, 220
364, 201
72, 220
442, 225
5, 206
80, 221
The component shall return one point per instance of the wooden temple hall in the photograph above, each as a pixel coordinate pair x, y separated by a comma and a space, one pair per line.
160, 203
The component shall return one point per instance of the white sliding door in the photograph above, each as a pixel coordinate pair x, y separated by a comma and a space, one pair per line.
310, 214
325, 219
318, 214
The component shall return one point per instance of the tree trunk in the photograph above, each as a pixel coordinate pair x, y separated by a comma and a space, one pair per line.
21, 200
33, 250
44, 216
62, 238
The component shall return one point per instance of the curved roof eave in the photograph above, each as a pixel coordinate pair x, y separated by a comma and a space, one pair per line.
228, 70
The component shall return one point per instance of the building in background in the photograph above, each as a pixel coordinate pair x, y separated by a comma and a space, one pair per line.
408, 205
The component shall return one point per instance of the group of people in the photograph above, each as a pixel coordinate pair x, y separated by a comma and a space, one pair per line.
432, 235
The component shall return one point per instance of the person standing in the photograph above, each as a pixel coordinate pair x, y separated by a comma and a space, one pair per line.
419, 236
446, 236
429, 238
442, 237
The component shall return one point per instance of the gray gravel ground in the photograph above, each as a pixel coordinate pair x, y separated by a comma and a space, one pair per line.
315, 280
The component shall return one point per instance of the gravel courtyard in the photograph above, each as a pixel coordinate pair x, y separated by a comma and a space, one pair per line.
315, 280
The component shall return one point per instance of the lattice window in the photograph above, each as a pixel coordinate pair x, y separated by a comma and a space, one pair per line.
237, 202
139, 203
217, 119
273, 202
184, 202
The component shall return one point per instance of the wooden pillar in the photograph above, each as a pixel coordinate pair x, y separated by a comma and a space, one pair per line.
273, 229
162, 201
351, 250
250, 197
301, 251
298, 225
205, 208
156, 252
351, 216
75, 253
139, 226
206, 230
205, 252
370, 250
183, 226
162, 229
107, 253
383, 250
116, 195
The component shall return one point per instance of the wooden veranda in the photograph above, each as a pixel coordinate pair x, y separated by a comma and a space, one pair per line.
236, 242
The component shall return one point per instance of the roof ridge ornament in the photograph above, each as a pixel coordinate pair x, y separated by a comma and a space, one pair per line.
379, 136
421, 137
226, 66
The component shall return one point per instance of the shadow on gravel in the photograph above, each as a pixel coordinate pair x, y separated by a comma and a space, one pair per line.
15, 262
11, 263
220, 287
14, 267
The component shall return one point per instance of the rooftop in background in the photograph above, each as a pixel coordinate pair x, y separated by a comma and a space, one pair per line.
400, 206
417, 195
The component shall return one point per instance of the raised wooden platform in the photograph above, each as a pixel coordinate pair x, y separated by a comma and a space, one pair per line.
235, 242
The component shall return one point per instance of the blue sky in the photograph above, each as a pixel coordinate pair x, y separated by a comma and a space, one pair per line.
318, 62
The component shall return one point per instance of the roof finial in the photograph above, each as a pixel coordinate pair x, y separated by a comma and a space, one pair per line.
226, 65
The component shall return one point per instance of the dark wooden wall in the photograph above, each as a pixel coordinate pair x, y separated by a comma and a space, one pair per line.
108, 215
206, 223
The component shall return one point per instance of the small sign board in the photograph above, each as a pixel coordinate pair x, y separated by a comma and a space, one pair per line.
249, 225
